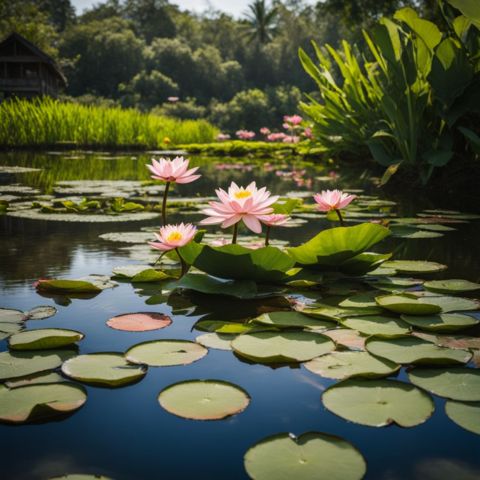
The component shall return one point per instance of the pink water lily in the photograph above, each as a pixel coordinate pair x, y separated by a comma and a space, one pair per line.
245, 204
265, 131
245, 134
293, 119
332, 200
175, 170
174, 236
274, 219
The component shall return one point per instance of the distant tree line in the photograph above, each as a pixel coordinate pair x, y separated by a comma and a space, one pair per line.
239, 73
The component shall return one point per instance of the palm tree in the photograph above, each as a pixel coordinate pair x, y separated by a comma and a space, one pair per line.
261, 21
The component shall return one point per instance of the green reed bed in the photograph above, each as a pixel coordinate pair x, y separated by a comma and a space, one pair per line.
46, 122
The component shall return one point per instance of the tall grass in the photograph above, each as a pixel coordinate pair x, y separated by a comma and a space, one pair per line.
46, 121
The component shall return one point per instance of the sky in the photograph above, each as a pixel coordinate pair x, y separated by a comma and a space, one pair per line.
233, 7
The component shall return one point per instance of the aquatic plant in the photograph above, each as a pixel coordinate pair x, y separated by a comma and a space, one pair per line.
335, 200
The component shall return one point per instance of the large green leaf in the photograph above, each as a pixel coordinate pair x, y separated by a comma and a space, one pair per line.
336, 246
444, 322
44, 338
469, 8
408, 304
267, 264
464, 414
310, 456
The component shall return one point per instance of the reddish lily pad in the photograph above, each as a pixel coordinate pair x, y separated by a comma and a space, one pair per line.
139, 322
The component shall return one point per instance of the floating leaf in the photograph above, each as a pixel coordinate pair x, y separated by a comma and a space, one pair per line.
140, 273
204, 399
451, 286
413, 350
103, 369
218, 341
347, 338
378, 403
453, 341
458, 383
291, 320
341, 365
360, 300
8, 315
466, 415
44, 338
377, 325
19, 364
311, 455
449, 304
139, 322
401, 231
408, 304
443, 322
220, 326
40, 402
41, 312
90, 284
282, 347
128, 237
37, 378
165, 353
414, 266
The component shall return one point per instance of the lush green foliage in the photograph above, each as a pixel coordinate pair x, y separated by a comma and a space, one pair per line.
411, 100
48, 122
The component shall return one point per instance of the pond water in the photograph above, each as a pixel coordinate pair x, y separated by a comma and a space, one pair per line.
123, 433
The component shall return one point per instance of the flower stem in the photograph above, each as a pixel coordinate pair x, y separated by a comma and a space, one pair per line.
185, 267
235, 233
340, 218
164, 203
267, 236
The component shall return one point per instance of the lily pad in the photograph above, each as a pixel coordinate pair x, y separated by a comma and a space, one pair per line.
377, 325
451, 286
139, 322
90, 284
80, 476
140, 273
311, 455
448, 303
128, 237
165, 353
103, 369
347, 338
8, 315
219, 326
291, 320
458, 383
378, 403
408, 304
36, 378
443, 322
19, 364
413, 350
360, 300
414, 266
217, 341
40, 402
342, 365
467, 415
204, 399
41, 312
82, 218
44, 338
282, 347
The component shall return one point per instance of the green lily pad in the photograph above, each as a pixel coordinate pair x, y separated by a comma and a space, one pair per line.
20, 364
40, 402
90, 284
377, 325
204, 399
219, 326
378, 403
291, 320
267, 264
41, 312
342, 365
395, 284
165, 353
281, 347
332, 247
451, 286
451, 341
466, 415
103, 369
402, 231
360, 300
335, 314
36, 378
139, 273
408, 304
82, 218
458, 383
128, 237
449, 304
43, 339
347, 338
414, 266
443, 322
311, 455
217, 341
413, 350
139, 322
8, 315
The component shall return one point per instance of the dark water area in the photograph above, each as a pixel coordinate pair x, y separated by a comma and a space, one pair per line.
123, 433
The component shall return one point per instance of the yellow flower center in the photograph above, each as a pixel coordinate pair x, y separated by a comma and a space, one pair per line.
174, 237
243, 194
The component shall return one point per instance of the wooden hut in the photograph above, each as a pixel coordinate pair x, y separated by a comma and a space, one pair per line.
26, 71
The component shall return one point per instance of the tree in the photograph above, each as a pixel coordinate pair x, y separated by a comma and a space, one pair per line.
61, 12
261, 22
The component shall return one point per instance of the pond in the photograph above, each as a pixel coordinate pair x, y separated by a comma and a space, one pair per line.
124, 433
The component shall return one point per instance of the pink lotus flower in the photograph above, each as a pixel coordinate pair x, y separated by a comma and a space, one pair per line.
174, 236
291, 139
240, 204
223, 136
275, 137
293, 119
175, 170
274, 220
245, 134
332, 200
265, 131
